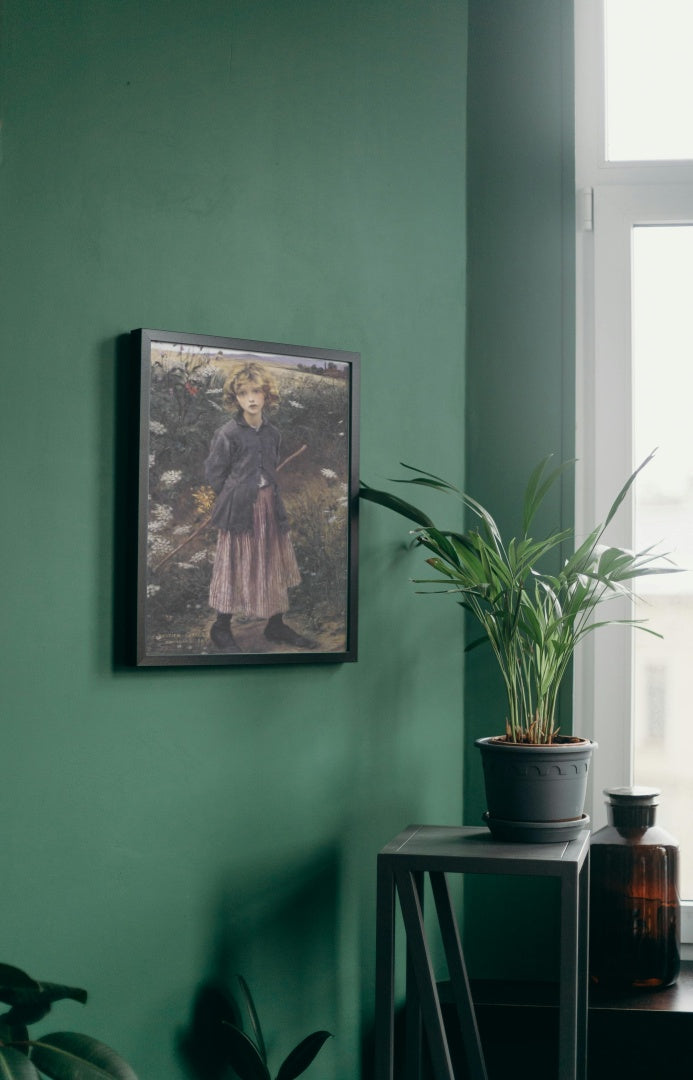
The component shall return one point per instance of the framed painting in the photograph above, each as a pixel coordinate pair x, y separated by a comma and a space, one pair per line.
248, 502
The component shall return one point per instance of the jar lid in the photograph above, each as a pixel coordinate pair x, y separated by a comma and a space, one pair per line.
632, 796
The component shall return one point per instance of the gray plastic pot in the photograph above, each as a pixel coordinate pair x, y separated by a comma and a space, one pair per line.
536, 794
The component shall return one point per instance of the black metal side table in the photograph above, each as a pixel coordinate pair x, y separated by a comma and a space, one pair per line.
437, 851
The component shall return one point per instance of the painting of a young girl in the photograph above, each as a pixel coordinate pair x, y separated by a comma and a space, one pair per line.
254, 564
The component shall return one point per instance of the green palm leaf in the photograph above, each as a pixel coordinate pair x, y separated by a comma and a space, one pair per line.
625, 489
393, 503
537, 488
438, 481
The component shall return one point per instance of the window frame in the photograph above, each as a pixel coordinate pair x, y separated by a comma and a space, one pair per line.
611, 198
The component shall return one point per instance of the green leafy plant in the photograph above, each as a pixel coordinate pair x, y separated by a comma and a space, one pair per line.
217, 1041
63, 1055
247, 1055
532, 618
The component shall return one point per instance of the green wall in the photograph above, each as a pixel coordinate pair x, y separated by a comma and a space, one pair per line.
520, 364
278, 171
288, 172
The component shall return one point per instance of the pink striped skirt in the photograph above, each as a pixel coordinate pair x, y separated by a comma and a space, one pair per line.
253, 571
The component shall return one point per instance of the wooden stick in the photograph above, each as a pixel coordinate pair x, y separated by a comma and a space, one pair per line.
292, 456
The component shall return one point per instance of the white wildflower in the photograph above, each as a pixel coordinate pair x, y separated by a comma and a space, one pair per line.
162, 513
171, 477
181, 530
199, 557
295, 404
152, 590
329, 474
152, 459
205, 371
185, 565
158, 545
156, 428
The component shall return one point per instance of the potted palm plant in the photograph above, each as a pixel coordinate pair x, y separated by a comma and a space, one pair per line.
533, 618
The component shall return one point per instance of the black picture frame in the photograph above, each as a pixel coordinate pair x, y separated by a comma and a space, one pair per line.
310, 438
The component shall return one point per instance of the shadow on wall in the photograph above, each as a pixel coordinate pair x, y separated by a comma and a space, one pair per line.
279, 930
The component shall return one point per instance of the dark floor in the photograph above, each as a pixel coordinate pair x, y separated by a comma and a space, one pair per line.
635, 1036
644, 1036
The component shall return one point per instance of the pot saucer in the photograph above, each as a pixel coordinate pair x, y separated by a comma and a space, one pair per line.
535, 832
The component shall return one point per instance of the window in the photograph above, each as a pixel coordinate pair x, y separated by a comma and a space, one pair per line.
648, 80
651, 709
634, 165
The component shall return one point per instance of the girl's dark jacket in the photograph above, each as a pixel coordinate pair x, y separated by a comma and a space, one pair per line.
239, 456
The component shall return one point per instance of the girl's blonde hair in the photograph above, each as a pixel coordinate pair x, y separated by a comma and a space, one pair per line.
250, 371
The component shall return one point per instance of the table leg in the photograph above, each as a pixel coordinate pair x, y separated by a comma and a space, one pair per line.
385, 971
425, 978
413, 1043
583, 968
568, 984
458, 977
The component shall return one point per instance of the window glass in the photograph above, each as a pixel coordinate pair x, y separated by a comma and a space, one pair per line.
649, 79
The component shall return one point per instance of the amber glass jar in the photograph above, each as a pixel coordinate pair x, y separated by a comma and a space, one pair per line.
635, 919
